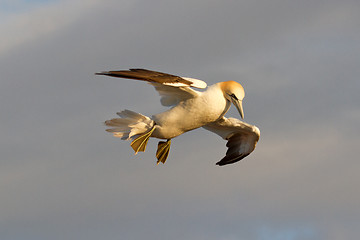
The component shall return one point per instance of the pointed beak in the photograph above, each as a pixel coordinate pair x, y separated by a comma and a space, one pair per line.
238, 105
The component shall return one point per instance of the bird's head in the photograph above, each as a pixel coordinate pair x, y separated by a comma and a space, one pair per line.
234, 93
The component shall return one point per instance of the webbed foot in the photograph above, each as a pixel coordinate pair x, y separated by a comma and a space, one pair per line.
163, 151
139, 143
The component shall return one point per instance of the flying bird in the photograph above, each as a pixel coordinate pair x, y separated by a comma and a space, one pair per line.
190, 109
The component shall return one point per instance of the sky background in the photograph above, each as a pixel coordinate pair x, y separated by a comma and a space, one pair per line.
63, 177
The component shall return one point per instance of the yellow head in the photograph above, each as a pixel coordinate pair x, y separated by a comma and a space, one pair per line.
234, 93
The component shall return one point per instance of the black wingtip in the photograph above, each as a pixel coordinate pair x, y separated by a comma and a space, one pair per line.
101, 73
230, 160
221, 163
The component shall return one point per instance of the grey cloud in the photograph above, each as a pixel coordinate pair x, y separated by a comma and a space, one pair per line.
63, 177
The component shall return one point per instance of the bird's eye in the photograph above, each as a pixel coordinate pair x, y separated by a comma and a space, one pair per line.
233, 96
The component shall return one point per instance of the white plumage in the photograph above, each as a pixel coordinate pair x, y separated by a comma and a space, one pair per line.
189, 110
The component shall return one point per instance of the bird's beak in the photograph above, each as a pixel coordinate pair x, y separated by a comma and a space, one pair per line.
238, 105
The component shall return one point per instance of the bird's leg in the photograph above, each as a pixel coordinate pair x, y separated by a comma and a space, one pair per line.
163, 151
139, 143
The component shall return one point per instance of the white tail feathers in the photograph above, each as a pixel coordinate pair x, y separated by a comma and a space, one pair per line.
130, 124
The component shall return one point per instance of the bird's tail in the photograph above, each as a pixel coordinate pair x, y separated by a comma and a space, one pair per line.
129, 125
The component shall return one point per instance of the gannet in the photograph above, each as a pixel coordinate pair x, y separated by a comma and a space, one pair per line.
190, 109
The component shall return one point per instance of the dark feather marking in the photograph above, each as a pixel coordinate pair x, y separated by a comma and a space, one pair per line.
146, 75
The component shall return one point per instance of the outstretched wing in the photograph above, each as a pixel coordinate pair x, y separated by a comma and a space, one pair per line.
242, 138
171, 88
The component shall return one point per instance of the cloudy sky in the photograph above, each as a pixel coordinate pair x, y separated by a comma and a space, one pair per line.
63, 177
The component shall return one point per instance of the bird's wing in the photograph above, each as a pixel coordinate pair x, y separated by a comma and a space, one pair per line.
242, 138
171, 88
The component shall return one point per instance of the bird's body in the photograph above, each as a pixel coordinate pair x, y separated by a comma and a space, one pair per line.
189, 110
192, 113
